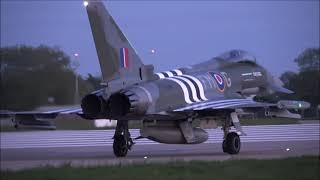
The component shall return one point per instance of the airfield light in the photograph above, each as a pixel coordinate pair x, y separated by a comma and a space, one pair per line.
85, 3
300, 105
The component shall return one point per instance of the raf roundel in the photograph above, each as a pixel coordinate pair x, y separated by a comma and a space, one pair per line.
219, 81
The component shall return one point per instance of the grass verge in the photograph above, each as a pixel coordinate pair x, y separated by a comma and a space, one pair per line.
282, 169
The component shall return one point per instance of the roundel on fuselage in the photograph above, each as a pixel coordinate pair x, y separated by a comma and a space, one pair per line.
221, 85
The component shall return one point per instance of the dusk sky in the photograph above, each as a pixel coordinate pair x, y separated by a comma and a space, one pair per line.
182, 33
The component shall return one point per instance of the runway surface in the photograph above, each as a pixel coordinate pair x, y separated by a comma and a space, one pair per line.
21, 150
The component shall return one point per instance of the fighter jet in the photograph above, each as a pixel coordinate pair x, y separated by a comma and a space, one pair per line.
169, 103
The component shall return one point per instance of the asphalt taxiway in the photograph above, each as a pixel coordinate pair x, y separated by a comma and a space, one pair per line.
22, 150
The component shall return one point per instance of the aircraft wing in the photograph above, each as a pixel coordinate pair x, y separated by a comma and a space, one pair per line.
227, 104
42, 118
37, 119
73, 110
48, 113
279, 109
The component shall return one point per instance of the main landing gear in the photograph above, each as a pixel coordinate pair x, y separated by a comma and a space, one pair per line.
231, 141
122, 141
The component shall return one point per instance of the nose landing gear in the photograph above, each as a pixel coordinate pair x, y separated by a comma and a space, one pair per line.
231, 141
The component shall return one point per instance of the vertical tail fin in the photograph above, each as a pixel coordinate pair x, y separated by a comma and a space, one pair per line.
118, 60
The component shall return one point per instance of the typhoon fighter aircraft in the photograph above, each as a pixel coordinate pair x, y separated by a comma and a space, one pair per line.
168, 103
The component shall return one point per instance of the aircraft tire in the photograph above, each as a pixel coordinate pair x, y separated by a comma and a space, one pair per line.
120, 148
232, 143
224, 146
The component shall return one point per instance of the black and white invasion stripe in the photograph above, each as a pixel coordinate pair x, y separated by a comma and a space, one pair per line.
165, 74
198, 85
191, 86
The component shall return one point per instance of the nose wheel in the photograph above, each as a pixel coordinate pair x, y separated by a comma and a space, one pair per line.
231, 141
231, 144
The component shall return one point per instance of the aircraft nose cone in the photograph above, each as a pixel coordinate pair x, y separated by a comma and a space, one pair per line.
276, 85
277, 81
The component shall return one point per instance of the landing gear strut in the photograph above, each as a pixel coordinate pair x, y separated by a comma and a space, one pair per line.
231, 141
122, 141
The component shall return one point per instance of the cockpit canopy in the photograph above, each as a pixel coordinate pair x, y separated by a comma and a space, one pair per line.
237, 56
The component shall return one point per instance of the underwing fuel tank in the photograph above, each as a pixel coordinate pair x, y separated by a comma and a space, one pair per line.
172, 135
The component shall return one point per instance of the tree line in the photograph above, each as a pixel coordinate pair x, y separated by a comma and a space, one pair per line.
304, 83
36, 76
